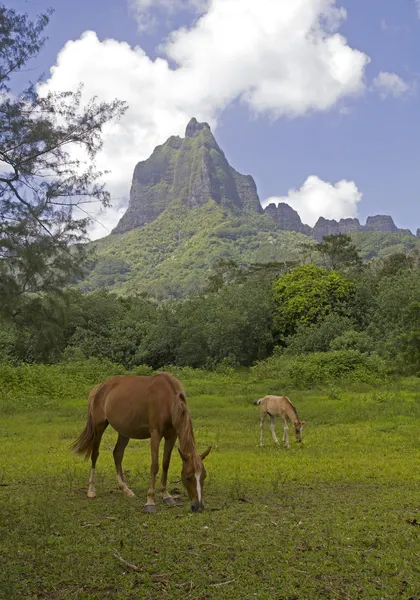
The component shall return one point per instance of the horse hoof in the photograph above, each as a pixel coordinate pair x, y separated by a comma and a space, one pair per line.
149, 508
170, 501
91, 494
130, 494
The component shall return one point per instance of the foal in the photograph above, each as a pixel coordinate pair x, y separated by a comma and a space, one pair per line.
282, 407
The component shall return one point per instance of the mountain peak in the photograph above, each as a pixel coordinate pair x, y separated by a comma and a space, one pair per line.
191, 170
194, 127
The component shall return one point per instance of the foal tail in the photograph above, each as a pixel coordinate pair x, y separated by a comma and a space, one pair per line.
84, 443
257, 402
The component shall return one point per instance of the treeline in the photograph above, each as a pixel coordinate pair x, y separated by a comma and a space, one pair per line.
247, 315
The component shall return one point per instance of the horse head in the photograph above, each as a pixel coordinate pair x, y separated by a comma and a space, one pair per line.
298, 425
193, 475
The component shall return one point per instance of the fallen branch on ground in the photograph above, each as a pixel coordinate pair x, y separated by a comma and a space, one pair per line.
222, 583
128, 565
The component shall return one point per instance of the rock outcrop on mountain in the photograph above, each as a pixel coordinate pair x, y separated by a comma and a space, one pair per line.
192, 170
287, 218
382, 223
332, 227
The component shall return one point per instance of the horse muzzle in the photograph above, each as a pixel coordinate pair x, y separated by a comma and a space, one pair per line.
196, 506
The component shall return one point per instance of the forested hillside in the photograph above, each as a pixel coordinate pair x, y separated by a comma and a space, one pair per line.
189, 209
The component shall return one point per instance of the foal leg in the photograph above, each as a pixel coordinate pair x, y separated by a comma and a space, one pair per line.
262, 429
118, 453
273, 433
99, 431
286, 434
155, 438
167, 451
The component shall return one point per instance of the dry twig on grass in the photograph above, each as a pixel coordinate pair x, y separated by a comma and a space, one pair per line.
222, 583
126, 564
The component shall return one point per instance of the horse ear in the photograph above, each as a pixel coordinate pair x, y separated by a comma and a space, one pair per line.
296, 423
205, 453
303, 422
184, 457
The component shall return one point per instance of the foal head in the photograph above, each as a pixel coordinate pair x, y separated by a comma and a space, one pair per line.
298, 425
193, 475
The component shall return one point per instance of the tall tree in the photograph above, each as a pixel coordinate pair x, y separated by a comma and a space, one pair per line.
338, 251
43, 189
306, 295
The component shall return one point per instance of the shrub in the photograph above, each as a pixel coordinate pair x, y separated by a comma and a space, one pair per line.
318, 338
353, 340
345, 365
307, 370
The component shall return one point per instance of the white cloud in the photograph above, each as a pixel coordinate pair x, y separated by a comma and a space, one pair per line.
317, 198
390, 84
144, 10
417, 5
104, 219
280, 58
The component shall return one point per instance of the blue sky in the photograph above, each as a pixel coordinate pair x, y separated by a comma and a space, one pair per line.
277, 114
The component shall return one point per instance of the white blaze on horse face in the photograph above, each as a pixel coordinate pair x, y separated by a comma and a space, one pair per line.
197, 478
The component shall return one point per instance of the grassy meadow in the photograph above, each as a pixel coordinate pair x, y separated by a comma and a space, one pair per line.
336, 517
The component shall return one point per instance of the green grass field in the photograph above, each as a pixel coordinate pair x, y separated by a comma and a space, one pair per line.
336, 517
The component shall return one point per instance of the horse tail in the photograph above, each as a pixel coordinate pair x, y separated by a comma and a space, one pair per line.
84, 443
257, 402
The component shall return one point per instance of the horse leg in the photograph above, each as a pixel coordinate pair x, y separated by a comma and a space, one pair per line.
286, 434
273, 433
167, 451
118, 453
99, 431
262, 429
155, 438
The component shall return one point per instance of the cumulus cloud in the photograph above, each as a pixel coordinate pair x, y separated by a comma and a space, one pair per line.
279, 58
144, 10
318, 198
390, 84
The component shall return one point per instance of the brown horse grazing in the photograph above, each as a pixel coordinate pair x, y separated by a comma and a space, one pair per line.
152, 407
282, 407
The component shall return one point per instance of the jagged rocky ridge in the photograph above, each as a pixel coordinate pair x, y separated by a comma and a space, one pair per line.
194, 169
288, 219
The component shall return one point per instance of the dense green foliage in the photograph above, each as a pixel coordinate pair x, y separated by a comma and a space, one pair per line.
339, 252
367, 315
306, 295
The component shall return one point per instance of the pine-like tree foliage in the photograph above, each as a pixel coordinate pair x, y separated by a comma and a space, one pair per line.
44, 192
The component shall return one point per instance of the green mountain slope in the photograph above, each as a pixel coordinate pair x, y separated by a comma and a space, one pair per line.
379, 244
189, 209
173, 255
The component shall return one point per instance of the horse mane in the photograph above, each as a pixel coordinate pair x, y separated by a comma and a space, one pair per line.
181, 418
293, 407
